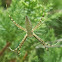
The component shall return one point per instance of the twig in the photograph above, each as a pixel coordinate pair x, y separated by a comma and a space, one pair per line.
49, 46
52, 46
26, 54
3, 50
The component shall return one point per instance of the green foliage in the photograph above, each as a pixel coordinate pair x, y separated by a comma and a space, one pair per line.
50, 30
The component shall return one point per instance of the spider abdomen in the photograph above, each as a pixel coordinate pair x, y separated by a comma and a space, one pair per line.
28, 27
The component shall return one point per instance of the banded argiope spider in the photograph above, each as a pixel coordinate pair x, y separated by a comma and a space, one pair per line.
29, 32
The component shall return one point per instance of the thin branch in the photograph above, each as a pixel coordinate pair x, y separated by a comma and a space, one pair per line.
26, 54
4, 49
59, 40
51, 46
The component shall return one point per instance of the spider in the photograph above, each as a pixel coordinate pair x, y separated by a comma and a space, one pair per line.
29, 32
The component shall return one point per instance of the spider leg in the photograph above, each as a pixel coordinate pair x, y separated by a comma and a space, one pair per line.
20, 45
37, 24
17, 24
40, 40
